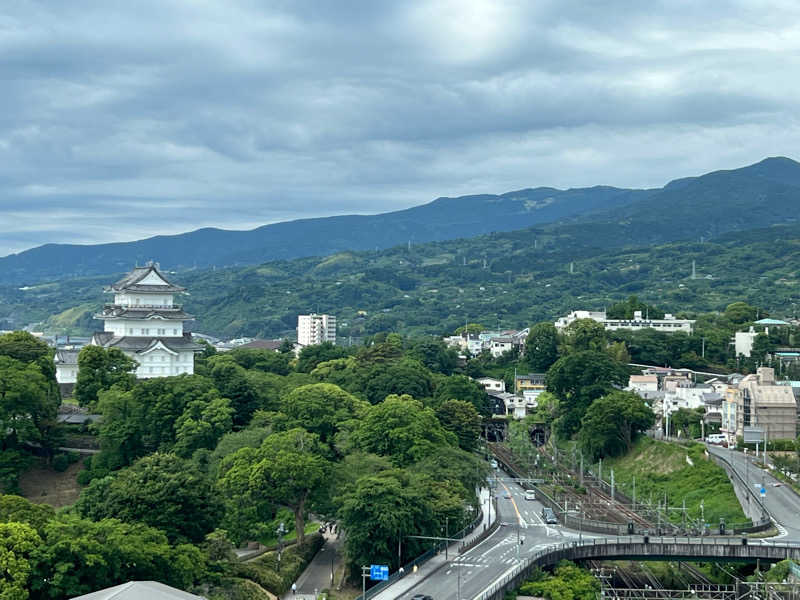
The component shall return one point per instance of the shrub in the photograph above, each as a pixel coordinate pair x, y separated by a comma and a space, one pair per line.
61, 462
294, 560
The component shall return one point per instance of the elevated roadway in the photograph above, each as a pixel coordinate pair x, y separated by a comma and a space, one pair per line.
485, 571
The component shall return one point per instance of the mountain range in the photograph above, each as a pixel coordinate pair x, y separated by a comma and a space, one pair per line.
758, 195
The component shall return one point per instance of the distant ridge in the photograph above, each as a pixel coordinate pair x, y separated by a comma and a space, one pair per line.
442, 219
703, 207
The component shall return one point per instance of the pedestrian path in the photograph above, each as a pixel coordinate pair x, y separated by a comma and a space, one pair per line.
409, 580
318, 575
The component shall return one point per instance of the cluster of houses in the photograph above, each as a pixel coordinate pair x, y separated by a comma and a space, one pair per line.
496, 343
754, 407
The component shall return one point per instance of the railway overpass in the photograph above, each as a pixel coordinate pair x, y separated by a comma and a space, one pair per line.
644, 548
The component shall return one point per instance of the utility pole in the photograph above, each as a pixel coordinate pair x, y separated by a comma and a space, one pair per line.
612, 484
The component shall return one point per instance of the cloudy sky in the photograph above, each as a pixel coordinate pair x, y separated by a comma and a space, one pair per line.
120, 120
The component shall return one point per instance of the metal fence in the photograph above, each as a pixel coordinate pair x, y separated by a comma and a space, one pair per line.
422, 558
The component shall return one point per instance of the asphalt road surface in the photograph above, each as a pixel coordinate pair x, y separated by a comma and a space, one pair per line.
498, 554
781, 502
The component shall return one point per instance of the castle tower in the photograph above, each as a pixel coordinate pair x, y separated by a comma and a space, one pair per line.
146, 324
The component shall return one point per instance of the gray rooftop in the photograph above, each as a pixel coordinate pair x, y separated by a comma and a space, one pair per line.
131, 281
140, 344
139, 590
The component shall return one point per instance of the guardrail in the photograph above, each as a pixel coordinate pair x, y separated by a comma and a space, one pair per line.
640, 546
766, 521
424, 557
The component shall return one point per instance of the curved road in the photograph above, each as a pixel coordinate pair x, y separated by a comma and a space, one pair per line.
498, 554
495, 557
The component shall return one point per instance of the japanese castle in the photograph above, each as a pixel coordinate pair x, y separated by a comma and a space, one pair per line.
146, 324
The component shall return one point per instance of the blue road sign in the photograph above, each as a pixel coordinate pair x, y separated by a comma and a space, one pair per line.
379, 572
763, 492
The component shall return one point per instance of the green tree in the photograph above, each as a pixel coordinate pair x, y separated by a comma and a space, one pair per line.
401, 428
568, 582
579, 378
100, 369
584, 335
321, 408
287, 468
202, 424
161, 490
233, 383
405, 377
311, 356
435, 355
626, 310
261, 359
459, 387
18, 542
762, 345
612, 423
741, 312
461, 418
381, 511
78, 556
541, 347
27, 409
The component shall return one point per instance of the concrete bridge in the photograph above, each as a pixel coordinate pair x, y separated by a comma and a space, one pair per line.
647, 548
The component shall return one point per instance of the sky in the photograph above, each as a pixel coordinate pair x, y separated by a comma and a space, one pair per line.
122, 120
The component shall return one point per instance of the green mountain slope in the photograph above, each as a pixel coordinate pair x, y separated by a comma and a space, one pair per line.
500, 280
445, 218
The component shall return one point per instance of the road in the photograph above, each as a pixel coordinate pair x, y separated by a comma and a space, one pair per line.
498, 554
781, 502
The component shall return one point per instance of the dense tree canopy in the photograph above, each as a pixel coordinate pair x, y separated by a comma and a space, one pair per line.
612, 422
99, 369
541, 347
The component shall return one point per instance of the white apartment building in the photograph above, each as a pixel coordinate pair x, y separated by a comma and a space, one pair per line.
316, 329
669, 324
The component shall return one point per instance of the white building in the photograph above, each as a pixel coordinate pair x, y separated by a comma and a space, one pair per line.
669, 324
643, 383
66, 366
145, 323
316, 329
492, 385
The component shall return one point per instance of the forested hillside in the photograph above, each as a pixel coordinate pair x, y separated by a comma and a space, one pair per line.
435, 287
442, 219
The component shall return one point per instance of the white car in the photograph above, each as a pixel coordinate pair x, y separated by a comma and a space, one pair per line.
530, 495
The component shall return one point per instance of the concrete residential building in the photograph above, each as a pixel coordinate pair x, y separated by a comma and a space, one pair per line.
492, 385
145, 323
643, 383
765, 406
669, 324
316, 329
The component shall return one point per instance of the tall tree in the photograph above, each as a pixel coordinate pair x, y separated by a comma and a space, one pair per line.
579, 378
321, 408
401, 428
18, 543
541, 346
584, 334
161, 490
612, 423
100, 369
461, 418
287, 468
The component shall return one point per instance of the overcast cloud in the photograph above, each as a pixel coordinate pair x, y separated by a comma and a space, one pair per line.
121, 120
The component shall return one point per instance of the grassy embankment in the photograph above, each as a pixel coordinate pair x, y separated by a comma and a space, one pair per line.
662, 467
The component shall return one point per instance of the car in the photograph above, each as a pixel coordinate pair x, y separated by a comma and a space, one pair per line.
776, 484
507, 495
548, 516
493, 463
421, 597
530, 495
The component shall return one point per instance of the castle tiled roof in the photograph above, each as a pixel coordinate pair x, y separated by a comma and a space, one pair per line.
130, 283
139, 344
143, 313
